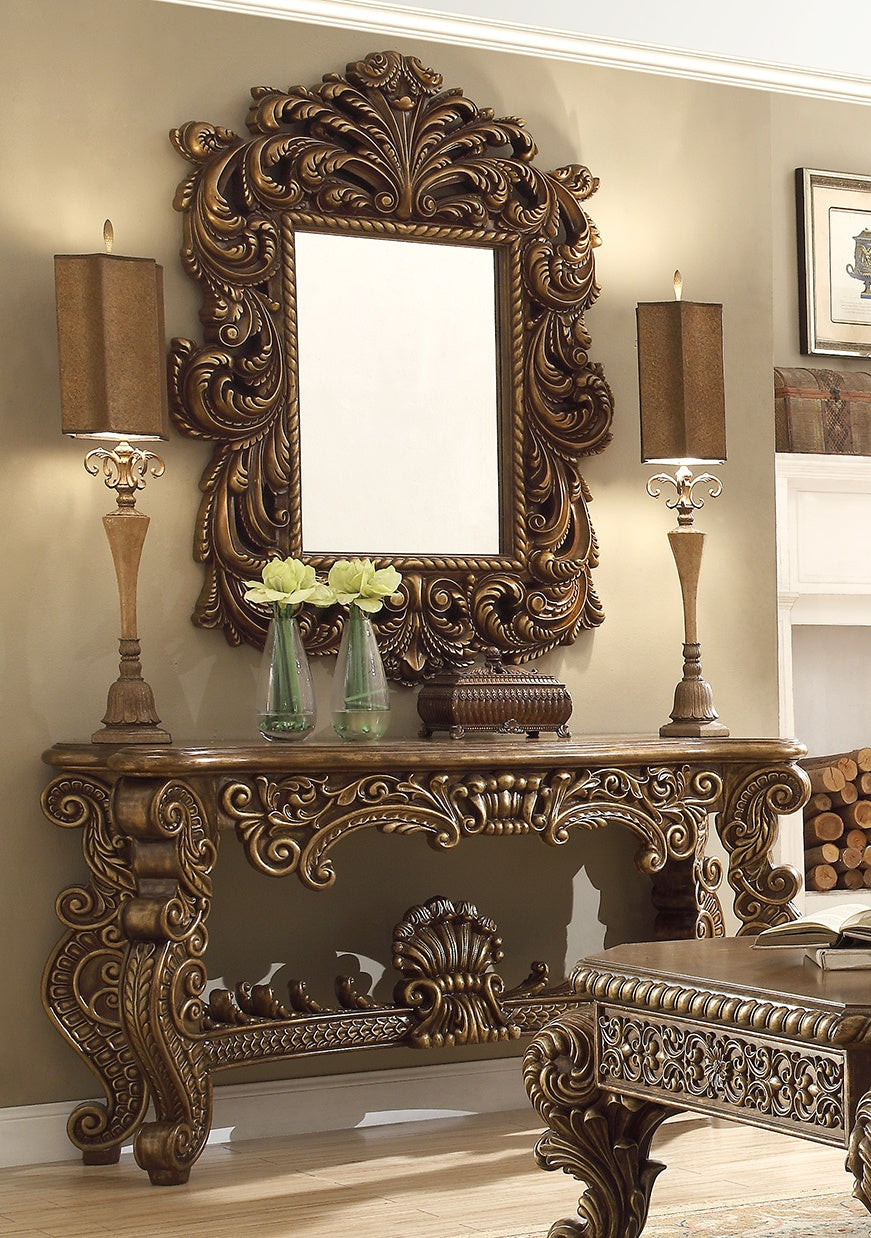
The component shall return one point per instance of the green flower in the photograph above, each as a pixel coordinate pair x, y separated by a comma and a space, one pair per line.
356, 582
288, 582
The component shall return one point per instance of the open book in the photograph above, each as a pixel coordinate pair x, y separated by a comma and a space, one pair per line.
848, 924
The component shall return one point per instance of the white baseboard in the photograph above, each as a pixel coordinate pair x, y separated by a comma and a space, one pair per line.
35, 1134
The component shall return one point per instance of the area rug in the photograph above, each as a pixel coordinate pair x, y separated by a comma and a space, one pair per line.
820, 1216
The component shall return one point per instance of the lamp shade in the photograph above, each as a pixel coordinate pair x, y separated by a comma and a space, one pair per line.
680, 380
111, 346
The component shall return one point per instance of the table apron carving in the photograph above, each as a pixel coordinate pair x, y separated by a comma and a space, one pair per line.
126, 983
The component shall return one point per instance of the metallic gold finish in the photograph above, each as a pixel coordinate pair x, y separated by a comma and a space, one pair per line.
709, 1027
601, 1138
125, 984
437, 167
693, 713
684, 502
131, 714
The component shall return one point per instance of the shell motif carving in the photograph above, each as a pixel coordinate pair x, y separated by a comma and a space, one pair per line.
386, 151
447, 952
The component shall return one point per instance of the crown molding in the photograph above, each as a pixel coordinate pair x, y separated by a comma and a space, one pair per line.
405, 21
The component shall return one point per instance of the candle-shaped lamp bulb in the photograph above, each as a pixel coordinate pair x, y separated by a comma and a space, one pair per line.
108, 236
678, 285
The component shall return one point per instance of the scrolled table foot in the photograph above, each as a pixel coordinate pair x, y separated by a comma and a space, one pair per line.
166, 1151
598, 1137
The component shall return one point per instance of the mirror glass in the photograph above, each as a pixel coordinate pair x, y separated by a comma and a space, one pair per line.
398, 381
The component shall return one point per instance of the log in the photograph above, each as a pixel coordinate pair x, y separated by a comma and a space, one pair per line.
866, 876
850, 857
856, 816
855, 838
821, 877
863, 782
852, 879
848, 794
826, 853
825, 827
821, 803
862, 757
848, 767
826, 778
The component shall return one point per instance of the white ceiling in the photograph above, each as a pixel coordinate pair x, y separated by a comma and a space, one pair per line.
770, 44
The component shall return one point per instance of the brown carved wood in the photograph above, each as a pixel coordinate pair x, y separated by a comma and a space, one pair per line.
386, 151
125, 984
711, 1027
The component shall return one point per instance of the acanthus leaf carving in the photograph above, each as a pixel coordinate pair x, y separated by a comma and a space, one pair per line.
385, 151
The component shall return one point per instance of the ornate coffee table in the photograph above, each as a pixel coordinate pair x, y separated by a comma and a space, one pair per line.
715, 1027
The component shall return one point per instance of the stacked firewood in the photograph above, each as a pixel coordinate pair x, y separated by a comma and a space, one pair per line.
837, 822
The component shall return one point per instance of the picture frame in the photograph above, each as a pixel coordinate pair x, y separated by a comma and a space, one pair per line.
834, 261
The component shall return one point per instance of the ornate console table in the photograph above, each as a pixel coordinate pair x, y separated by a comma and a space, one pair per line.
126, 983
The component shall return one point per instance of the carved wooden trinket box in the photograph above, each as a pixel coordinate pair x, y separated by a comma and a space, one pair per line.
494, 697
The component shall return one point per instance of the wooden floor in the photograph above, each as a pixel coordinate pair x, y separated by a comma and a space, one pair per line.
451, 1178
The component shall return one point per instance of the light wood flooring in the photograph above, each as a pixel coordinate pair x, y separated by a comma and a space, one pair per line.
450, 1178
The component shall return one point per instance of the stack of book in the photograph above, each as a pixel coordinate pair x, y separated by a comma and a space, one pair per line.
836, 939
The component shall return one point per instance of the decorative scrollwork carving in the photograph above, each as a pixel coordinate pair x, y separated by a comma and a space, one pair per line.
809, 1024
793, 1084
447, 952
290, 825
385, 151
174, 851
81, 979
602, 1139
748, 827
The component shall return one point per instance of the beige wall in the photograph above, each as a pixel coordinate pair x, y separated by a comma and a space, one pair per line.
91, 92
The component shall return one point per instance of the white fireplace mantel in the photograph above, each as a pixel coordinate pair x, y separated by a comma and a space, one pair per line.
823, 576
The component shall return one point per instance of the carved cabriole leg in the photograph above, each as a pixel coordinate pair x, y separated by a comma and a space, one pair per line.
174, 850
81, 978
599, 1138
753, 802
859, 1153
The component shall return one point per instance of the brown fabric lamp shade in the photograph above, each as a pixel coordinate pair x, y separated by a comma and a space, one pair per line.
680, 379
111, 346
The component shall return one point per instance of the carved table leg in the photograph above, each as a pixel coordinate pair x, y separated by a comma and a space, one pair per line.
601, 1138
859, 1154
81, 979
754, 801
174, 850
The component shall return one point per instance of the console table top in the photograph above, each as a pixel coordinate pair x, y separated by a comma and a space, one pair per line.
441, 752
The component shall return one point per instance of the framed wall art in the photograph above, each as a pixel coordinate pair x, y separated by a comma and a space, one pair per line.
834, 250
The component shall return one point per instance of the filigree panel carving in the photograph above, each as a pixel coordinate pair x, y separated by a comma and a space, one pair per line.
386, 151
450, 994
173, 852
82, 976
291, 824
748, 827
787, 1084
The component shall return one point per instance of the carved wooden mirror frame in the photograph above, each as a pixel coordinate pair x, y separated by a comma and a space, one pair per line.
384, 151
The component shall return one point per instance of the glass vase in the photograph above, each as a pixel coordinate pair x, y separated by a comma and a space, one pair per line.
285, 697
360, 698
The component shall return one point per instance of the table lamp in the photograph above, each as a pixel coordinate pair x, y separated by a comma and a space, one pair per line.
683, 423
113, 386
